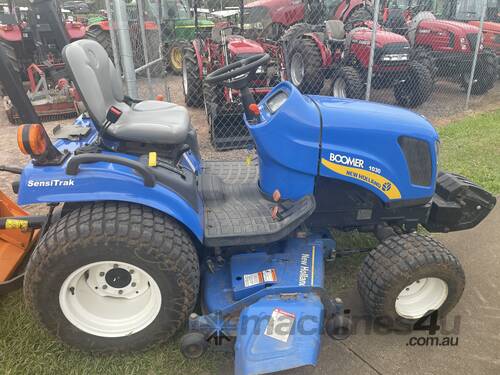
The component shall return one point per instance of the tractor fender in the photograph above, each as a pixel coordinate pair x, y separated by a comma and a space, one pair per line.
326, 54
197, 51
11, 33
103, 181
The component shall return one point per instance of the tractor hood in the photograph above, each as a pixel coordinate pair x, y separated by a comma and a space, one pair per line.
457, 28
382, 37
487, 26
238, 45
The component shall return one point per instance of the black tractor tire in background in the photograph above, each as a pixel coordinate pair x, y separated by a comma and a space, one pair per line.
417, 86
485, 75
422, 55
405, 262
304, 65
174, 51
102, 37
347, 83
357, 17
191, 82
113, 232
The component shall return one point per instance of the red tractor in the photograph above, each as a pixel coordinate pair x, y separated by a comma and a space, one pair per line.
470, 12
341, 53
208, 53
446, 47
32, 42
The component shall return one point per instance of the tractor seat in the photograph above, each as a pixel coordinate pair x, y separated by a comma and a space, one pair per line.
100, 87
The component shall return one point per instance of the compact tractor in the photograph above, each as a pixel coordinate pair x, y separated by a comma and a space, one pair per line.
446, 47
141, 228
32, 42
177, 29
208, 52
341, 52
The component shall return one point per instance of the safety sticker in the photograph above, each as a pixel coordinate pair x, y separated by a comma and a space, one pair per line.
280, 325
266, 276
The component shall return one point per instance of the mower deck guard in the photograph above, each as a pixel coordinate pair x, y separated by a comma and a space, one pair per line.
15, 242
458, 204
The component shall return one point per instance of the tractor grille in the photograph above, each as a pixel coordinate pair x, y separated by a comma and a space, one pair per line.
472, 38
392, 49
418, 159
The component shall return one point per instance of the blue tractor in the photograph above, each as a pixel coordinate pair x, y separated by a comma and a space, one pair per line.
141, 229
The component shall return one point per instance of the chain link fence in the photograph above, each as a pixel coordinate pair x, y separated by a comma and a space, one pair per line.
436, 57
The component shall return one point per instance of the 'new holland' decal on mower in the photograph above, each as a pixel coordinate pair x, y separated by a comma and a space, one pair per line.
374, 179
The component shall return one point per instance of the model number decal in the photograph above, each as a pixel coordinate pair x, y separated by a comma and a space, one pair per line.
51, 183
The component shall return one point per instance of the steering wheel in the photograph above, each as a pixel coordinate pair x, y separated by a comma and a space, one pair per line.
244, 68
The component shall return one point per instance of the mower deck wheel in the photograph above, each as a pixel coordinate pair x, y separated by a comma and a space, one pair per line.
408, 276
113, 277
193, 345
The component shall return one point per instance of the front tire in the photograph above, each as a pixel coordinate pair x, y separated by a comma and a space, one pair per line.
485, 75
406, 277
416, 88
304, 65
347, 83
113, 277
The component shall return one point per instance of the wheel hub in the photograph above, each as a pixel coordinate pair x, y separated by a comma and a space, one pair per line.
118, 278
339, 88
420, 297
110, 299
297, 69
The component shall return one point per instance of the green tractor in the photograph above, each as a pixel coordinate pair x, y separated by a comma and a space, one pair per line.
177, 29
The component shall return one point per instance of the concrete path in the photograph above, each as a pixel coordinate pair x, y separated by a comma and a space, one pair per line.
477, 315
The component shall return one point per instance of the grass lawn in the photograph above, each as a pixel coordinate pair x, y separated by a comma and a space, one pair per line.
470, 147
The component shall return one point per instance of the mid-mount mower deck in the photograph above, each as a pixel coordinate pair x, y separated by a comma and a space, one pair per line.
143, 224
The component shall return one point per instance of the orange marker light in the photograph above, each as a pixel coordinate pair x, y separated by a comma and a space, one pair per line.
31, 139
254, 108
276, 195
160, 97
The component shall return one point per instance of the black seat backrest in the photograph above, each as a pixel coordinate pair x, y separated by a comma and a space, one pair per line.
95, 77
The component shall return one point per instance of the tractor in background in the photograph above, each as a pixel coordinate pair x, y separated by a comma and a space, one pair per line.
446, 47
470, 12
177, 29
31, 40
339, 50
209, 52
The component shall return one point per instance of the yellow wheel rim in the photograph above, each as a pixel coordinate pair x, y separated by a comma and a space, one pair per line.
176, 58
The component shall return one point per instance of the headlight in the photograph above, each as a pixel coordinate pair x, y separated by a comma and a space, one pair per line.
436, 145
395, 57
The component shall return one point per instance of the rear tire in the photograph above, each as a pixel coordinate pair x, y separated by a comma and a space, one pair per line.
347, 83
304, 64
406, 277
191, 82
68, 289
422, 56
103, 38
416, 88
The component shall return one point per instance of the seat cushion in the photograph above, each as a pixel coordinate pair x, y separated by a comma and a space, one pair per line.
151, 121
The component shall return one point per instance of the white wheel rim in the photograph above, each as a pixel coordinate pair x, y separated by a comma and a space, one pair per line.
184, 78
420, 297
339, 88
95, 299
297, 69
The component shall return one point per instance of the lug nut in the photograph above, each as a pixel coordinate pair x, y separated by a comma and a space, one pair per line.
101, 274
120, 292
131, 272
115, 265
133, 285
104, 287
